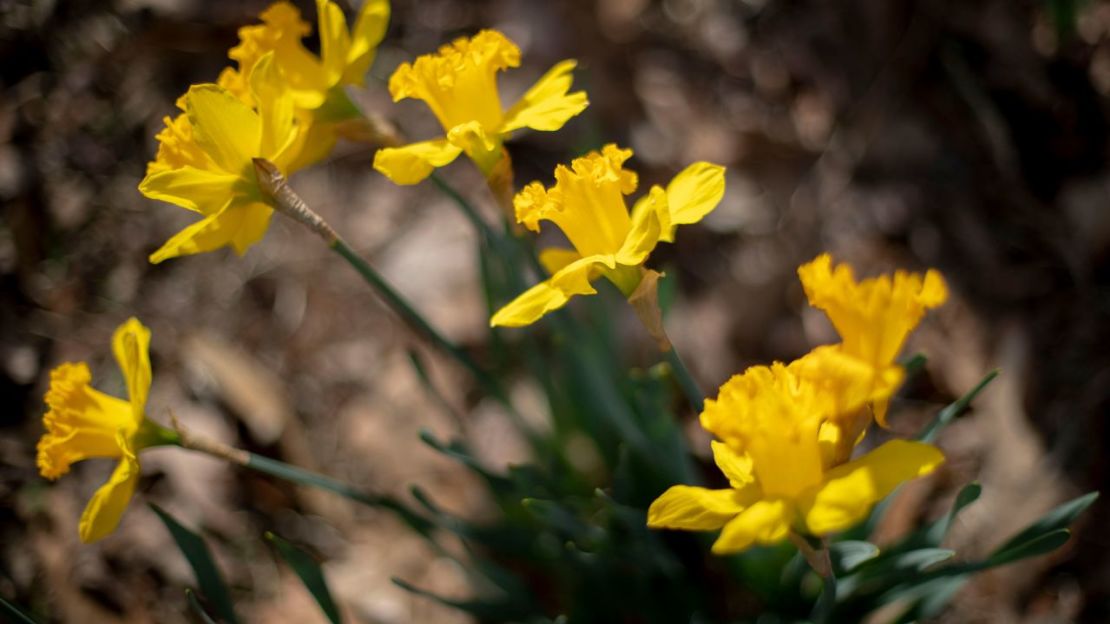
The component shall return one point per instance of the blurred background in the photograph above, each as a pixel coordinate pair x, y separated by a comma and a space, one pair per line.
966, 136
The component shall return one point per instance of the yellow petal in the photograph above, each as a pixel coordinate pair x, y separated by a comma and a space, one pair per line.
850, 490
238, 225
313, 143
194, 189
849, 382
275, 107
694, 193
459, 81
103, 513
281, 33
765, 522
225, 128
773, 416
646, 228
695, 508
547, 105
555, 259
586, 203
131, 345
80, 422
873, 316
482, 147
735, 466
573, 279
370, 27
412, 163
335, 41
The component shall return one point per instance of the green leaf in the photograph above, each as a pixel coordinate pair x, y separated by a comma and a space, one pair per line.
1058, 518
13, 613
430, 388
959, 406
457, 451
847, 555
936, 533
310, 574
204, 567
929, 598
1039, 545
480, 609
914, 364
916, 560
198, 609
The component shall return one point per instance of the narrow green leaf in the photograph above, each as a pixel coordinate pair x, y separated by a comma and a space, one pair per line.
936, 533
481, 610
912, 592
430, 388
930, 597
310, 574
198, 609
1058, 518
300, 476
914, 364
959, 406
565, 521
1039, 545
942, 592
915, 560
847, 555
200, 559
458, 452
13, 613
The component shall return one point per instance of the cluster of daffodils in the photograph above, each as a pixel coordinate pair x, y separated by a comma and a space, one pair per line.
282, 104
785, 433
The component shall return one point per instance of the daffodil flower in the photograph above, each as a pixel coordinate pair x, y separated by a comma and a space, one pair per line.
587, 204
314, 82
459, 84
773, 453
345, 56
83, 423
873, 316
205, 163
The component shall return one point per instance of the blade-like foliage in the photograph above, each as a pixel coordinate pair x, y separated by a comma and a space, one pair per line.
200, 559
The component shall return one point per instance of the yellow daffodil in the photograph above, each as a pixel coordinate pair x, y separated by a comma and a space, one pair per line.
83, 423
459, 84
204, 162
587, 204
873, 316
345, 56
314, 82
774, 454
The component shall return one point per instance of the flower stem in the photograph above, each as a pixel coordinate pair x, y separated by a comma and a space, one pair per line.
466, 207
415, 320
239, 457
286, 201
685, 380
821, 562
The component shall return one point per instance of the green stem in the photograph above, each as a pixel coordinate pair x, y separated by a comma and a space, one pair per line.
416, 321
284, 199
685, 380
239, 457
466, 207
300, 476
826, 602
